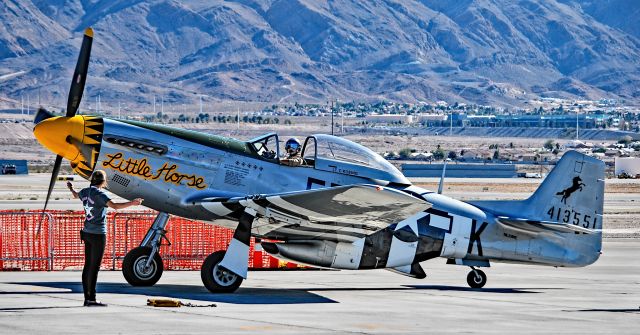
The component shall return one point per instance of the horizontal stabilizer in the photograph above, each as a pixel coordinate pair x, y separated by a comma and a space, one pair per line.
542, 226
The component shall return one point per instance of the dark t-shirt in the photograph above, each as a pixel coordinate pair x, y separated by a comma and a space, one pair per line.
94, 201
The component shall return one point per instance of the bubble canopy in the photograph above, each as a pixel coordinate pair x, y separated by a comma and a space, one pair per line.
360, 160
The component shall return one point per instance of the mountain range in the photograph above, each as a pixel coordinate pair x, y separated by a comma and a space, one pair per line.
283, 51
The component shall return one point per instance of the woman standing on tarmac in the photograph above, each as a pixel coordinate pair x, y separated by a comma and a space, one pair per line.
95, 202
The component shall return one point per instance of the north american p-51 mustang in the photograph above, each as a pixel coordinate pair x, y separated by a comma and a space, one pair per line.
344, 208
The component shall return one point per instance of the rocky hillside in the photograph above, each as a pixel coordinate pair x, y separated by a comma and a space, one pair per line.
483, 51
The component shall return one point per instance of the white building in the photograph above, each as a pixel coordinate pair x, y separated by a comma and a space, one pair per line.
389, 118
629, 165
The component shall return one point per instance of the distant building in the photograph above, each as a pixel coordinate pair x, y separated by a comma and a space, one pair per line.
389, 118
629, 165
481, 121
586, 121
430, 120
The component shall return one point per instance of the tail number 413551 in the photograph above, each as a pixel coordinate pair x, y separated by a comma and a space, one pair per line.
568, 215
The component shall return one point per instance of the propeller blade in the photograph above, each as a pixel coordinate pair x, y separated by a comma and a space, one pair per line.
80, 74
42, 115
52, 183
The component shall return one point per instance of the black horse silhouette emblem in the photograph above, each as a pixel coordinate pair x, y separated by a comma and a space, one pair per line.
566, 193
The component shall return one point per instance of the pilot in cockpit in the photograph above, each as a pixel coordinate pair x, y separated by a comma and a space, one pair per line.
294, 158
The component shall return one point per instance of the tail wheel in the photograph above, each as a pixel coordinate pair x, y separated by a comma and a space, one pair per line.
135, 270
476, 278
216, 278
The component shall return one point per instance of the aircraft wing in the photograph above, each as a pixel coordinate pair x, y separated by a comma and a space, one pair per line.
542, 226
342, 213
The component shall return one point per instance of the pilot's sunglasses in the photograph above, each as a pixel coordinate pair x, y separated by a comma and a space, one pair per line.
294, 146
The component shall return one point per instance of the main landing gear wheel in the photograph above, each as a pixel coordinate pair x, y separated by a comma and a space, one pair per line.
216, 278
135, 270
476, 278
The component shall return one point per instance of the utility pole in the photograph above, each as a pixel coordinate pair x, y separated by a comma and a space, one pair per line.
577, 122
238, 119
118, 109
332, 117
162, 105
28, 103
342, 122
22, 105
154, 104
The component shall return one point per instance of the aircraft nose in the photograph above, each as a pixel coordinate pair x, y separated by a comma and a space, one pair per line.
58, 134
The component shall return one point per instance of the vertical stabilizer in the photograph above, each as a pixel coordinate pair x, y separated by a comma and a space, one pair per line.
572, 193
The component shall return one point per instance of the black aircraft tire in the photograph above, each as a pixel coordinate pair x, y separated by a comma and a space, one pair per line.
134, 271
217, 279
476, 279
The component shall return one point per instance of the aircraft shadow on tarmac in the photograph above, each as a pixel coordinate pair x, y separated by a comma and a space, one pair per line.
267, 296
190, 292
486, 290
611, 310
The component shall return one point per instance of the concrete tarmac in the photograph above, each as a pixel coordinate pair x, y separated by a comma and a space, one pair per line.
601, 298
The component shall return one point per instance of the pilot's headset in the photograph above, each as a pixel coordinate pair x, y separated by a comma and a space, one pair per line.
292, 146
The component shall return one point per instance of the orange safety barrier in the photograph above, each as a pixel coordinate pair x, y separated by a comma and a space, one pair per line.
58, 245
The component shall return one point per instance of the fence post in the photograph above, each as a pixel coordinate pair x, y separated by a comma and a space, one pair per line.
113, 244
50, 242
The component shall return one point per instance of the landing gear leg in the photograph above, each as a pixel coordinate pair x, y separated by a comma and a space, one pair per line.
142, 266
223, 272
476, 278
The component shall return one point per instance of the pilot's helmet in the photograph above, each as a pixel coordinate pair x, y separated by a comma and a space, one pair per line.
292, 146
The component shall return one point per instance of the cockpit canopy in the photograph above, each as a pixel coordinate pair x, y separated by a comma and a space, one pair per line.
337, 155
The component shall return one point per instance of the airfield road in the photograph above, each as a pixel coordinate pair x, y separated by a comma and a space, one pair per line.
621, 206
601, 298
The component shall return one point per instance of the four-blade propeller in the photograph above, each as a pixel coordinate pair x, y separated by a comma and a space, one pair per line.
75, 96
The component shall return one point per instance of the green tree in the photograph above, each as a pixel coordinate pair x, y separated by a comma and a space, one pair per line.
496, 154
625, 140
405, 153
549, 145
438, 154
